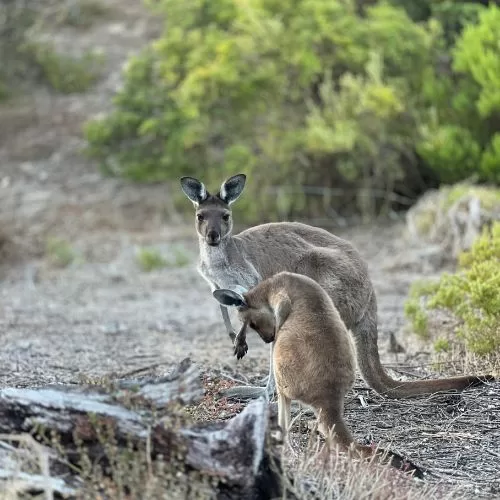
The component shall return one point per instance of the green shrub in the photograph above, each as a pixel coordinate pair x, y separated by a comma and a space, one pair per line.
418, 317
454, 149
335, 94
490, 160
471, 295
290, 93
64, 73
461, 138
59, 252
442, 345
476, 54
414, 307
488, 195
150, 259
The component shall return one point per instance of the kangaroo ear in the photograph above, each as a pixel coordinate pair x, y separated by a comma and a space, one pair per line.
194, 189
232, 188
229, 297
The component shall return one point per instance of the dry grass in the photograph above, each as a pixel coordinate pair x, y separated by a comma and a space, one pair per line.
213, 407
452, 436
455, 360
29, 464
345, 478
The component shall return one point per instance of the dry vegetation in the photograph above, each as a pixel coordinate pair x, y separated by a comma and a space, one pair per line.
125, 471
78, 306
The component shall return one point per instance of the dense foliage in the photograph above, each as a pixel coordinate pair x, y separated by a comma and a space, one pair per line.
376, 98
471, 295
26, 59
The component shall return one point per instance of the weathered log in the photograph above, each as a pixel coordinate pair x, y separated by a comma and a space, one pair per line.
234, 451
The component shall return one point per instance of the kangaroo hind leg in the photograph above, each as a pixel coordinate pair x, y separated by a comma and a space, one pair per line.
330, 419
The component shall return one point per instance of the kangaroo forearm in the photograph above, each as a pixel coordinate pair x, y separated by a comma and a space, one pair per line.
241, 336
240, 341
227, 322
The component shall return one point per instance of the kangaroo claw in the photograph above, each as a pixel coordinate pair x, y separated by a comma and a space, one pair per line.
240, 349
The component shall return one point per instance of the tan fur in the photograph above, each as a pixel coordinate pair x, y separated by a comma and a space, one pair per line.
314, 353
262, 251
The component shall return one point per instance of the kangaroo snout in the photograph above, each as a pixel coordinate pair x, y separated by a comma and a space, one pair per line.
213, 238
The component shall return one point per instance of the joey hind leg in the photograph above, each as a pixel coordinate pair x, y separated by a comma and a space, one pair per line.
284, 405
331, 420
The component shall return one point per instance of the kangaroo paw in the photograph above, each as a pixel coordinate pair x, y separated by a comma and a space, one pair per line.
240, 348
245, 392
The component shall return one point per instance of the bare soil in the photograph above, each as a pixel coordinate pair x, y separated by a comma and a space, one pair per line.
102, 316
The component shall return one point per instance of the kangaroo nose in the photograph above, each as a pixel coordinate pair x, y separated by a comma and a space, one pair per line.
213, 238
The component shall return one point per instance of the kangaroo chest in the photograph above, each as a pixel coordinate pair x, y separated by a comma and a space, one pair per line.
222, 271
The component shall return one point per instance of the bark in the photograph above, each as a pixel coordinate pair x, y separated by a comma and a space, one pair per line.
235, 451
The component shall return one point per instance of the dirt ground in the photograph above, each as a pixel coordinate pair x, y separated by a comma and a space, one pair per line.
103, 316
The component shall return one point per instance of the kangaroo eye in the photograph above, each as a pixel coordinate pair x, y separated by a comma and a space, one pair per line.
225, 217
199, 217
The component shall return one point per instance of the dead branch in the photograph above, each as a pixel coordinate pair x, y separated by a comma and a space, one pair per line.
234, 451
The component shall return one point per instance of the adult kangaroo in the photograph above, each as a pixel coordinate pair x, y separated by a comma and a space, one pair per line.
245, 259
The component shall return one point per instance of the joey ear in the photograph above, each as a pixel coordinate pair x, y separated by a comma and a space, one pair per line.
194, 189
229, 297
231, 188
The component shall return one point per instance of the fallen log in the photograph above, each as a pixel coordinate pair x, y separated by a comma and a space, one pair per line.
144, 414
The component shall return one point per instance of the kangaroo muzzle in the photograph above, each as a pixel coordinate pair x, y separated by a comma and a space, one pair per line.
213, 238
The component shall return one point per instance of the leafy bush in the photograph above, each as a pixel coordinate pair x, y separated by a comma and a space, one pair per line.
460, 138
291, 93
150, 259
65, 74
324, 93
471, 295
26, 58
59, 252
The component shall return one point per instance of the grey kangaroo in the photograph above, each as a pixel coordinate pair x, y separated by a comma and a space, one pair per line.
314, 357
245, 259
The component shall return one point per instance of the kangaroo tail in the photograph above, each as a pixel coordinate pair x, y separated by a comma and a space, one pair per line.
376, 377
